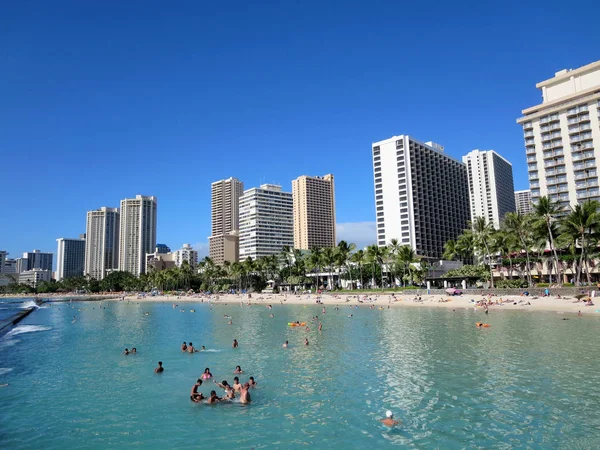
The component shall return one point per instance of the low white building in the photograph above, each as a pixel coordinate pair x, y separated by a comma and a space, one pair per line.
34, 277
186, 253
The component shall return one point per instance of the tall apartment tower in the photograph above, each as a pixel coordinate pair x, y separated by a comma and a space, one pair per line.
223, 242
491, 187
314, 212
421, 195
266, 221
70, 258
37, 260
562, 137
101, 242
138, 233
523, 202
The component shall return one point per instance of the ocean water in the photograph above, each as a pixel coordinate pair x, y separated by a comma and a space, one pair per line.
10, 306
529, 381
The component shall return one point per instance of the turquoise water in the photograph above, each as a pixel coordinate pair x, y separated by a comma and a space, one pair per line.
529, 381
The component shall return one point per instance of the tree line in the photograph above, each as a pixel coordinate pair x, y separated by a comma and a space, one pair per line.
552, 236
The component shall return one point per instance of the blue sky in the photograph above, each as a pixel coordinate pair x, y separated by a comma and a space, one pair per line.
104, 100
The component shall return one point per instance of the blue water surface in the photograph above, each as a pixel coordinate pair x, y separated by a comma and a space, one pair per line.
529, 381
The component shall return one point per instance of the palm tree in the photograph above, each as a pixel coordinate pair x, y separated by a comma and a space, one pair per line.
465, 245
359, 258
547, 213
376, 255
345, 252
451, 250
329, 259
406, 257
287, 257
505, 244
520, 226
315, 261
393, 249
482, 234
583, 226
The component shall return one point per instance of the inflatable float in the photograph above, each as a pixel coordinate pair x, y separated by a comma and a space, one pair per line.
294, 324
482, 325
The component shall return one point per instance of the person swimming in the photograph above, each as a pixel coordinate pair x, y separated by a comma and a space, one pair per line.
244, 394
320, 326
251, 382
126, 351
235, 344
134, 350
184, 347
191, 349
238, 370
285, 344
160, 368
236, 384
196, 396
305, 341
203, 348
389, 419
206, 375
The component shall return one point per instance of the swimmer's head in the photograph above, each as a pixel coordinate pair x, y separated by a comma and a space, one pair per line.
236, 379
191, 343
207, 370
389, 414
160, 363
213, 394
238, 368
199, 381
251, 378
184, 343
224, 383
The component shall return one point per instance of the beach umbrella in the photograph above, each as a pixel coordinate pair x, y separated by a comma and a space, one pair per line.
451, 291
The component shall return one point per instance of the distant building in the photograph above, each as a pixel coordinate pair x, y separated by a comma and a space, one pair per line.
266, 221
70, 258
138, 233
34, 277
314, 212
159, 261
186, 253
523, 202
162, 248
562, 137
36, 260
421, 195
225, 197
491, 188
3, 254
10, 265
102, 242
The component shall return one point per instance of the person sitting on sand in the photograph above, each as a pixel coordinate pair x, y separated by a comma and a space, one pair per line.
184, 347
229, 392
160, 368
285, 344
126, 351
238, 370
389, 419
191, 348
213, 398
236, 384
244, 394
251, 382
196, 396
235, 344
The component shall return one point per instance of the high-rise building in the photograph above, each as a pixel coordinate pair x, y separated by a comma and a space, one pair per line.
3, 254
138, 233
266, 221
523, 202
225, 197
562, 137
37, 260
314, 212
10, 265
70, 258
102, 242
421, 195
491, 187
186, 253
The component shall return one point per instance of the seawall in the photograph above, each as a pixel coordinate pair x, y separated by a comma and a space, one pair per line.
15, 319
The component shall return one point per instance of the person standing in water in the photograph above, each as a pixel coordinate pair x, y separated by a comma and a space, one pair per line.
236, 384
244, 394
238, 370
213, 398
306, 341
285, 344
235, 344
184, 347
190, 348
389, 419
160, 368
320, 326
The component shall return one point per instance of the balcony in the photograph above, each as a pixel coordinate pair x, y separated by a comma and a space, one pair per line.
534, 185
534, 176
529, 141
581, 146
527, 126
531, 158
577, 110
553, 154
581, 137
579, 119
549, 136
581, 127
586, 184
585, 174
528, 134
549, 119
530, 151
553, 163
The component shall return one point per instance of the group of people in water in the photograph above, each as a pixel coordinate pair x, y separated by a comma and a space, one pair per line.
230, 391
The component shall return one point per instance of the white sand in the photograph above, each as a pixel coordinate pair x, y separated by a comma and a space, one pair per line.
405, 300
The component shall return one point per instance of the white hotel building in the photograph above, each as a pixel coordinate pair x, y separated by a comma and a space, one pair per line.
266, 221
421, 195
562, 137
491, 187
101, 242
138, 233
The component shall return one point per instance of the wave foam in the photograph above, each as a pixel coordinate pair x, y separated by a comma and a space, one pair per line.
29, 304
21, 329
4, 370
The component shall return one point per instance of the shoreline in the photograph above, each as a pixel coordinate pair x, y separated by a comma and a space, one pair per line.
550, 304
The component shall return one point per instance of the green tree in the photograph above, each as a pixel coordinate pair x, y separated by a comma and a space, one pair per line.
547, 213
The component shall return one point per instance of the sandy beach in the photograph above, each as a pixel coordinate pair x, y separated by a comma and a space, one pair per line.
394, 300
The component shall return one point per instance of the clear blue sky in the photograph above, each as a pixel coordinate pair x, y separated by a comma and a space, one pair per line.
102, 100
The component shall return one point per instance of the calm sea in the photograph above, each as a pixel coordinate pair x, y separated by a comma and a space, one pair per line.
529, 381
